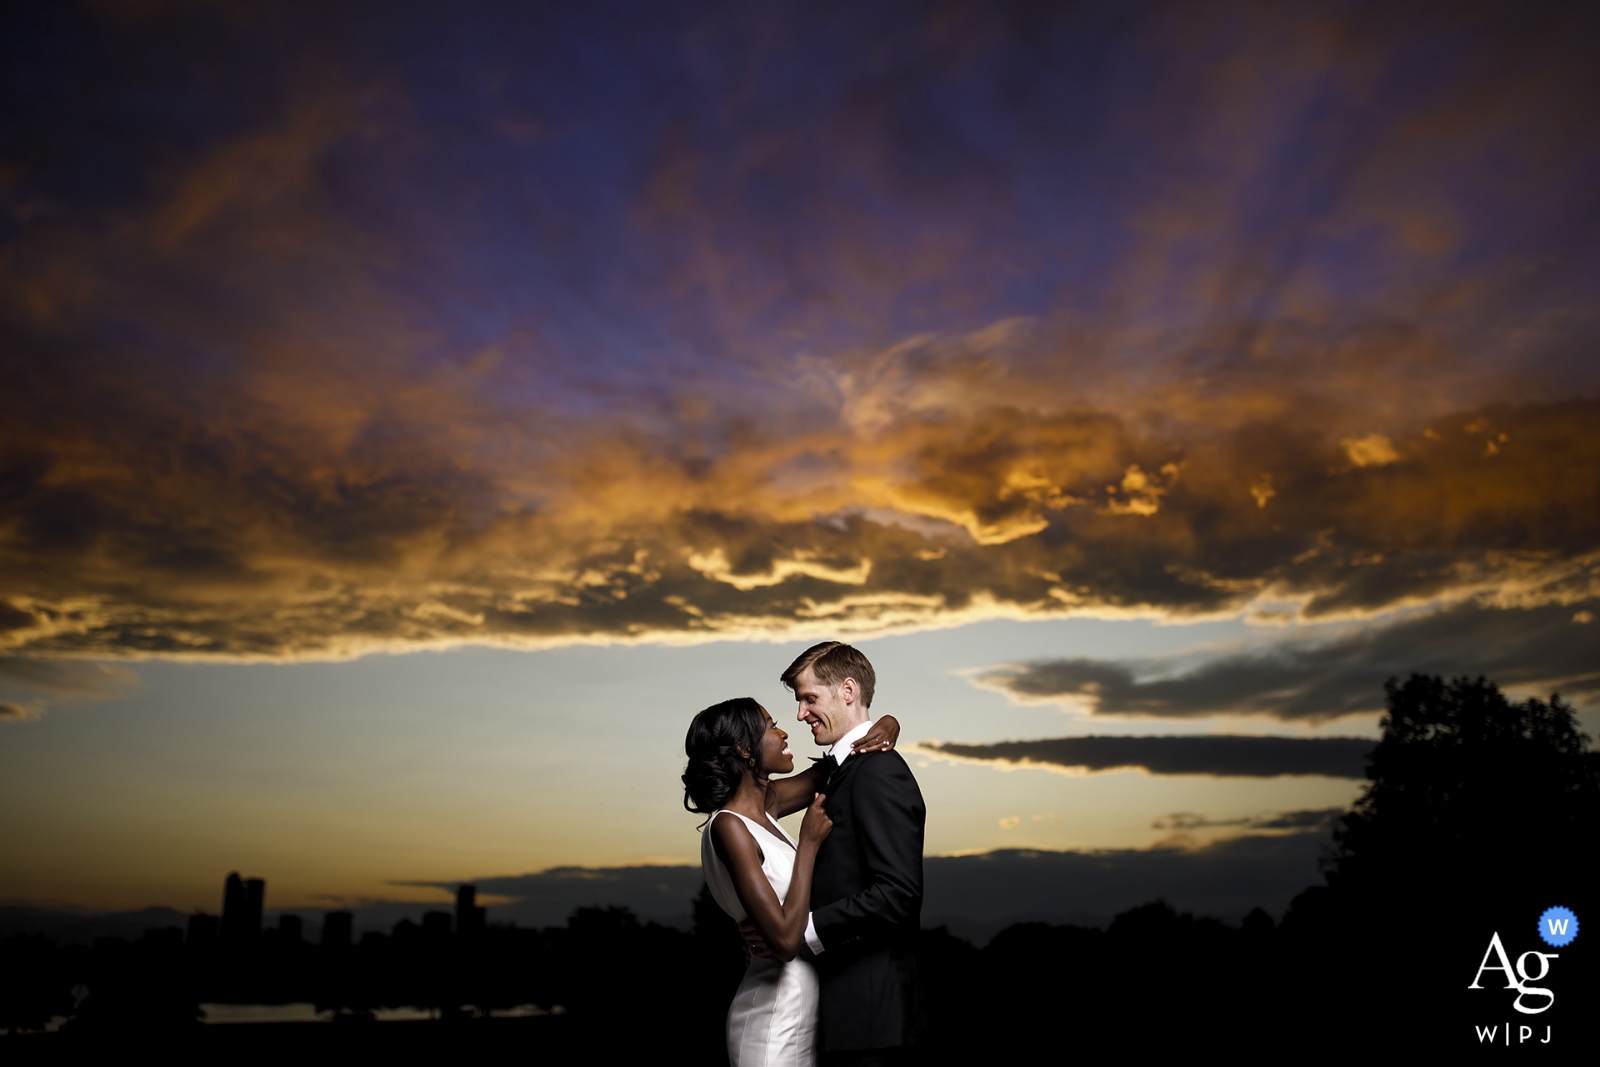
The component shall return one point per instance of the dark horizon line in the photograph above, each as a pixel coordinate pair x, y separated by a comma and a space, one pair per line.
87, 912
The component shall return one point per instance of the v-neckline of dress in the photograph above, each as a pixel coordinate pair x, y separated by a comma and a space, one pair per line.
782, 835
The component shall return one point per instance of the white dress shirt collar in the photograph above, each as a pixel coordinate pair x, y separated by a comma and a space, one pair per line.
841, 748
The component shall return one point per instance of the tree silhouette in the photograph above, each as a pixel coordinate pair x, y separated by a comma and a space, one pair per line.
1479, 814
1471, 797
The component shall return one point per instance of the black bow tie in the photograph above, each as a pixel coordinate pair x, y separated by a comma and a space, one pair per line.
827, 765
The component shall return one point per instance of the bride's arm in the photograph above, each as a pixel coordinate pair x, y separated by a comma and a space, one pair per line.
782, 925
785, 796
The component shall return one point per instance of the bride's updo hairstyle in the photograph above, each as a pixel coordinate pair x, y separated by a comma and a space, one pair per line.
716, 766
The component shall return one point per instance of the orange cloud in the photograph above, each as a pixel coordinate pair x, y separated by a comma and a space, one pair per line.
345, 375
274, 537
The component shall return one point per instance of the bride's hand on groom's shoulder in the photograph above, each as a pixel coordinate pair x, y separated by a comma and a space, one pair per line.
881, 738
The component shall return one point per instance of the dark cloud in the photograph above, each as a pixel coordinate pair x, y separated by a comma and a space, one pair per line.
65, 677
43, 681
13, 712
349, 329
12, 619
1315, 819
1542, 648
1218, 755
643, 547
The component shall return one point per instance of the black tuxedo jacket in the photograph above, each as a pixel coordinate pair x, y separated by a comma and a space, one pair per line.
866, 902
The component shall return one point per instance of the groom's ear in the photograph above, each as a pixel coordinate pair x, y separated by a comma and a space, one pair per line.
849, 692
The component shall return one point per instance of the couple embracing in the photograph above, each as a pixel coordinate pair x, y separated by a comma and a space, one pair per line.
833, 918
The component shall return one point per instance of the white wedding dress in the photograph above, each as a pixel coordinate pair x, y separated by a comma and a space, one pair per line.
773, 1019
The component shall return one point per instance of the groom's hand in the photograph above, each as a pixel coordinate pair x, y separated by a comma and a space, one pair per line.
754, 943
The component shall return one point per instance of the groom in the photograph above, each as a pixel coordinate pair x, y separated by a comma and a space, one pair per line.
866, 892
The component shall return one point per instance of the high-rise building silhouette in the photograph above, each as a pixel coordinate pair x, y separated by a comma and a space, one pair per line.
290, 929
470, 917
241, 907
336, 929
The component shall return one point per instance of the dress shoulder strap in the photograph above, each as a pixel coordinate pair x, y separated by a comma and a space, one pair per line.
749, 822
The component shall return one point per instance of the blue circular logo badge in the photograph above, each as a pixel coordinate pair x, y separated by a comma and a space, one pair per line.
1558, 926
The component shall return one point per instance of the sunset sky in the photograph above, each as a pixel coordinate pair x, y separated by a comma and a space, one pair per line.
413, 414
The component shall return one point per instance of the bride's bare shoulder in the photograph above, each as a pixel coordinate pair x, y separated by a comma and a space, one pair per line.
733, 838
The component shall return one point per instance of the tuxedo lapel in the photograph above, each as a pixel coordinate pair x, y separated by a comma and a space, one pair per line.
841, 773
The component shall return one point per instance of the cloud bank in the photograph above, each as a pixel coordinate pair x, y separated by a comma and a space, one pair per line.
1541, 647
1217, 755
1296, 821
450, 338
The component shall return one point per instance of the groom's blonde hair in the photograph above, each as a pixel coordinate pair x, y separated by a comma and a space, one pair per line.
832, 662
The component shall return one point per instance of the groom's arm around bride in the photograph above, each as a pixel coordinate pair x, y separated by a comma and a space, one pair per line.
866, 895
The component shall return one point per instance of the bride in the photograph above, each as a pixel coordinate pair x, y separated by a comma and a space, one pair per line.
756, 871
